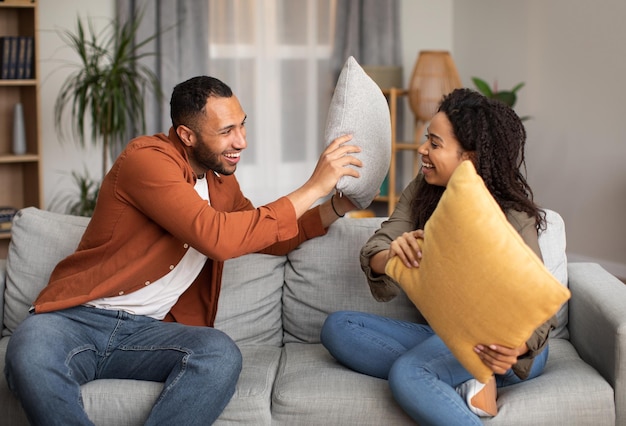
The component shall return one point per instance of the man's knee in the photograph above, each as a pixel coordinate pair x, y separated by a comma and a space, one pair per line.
223, 353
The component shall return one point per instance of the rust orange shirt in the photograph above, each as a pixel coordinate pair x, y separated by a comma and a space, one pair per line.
147, 216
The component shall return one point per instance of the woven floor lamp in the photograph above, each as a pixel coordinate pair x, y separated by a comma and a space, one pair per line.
434, 76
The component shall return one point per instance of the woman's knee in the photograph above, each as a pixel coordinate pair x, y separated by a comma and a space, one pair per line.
333, 326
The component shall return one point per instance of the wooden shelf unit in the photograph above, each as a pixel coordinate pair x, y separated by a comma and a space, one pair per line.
20, 175
394, 96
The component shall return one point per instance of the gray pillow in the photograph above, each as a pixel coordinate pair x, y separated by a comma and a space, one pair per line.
552, 243
39, 240
358, 107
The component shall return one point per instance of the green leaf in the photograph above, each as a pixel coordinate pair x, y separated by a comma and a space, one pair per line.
516, 88
507, 97
482, 87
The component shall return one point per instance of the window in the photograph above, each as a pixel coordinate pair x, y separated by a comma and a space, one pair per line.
275, 54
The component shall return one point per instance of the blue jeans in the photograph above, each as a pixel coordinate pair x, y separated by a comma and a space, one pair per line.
421, 371
50, 355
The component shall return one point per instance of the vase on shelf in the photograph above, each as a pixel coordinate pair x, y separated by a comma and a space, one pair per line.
19, 133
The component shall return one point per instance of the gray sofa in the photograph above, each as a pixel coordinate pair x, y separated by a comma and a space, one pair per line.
274, 308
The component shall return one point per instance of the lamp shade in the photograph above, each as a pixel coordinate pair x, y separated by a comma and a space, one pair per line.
434, 76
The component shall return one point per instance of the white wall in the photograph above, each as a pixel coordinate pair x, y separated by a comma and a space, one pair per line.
572, 57
569, 52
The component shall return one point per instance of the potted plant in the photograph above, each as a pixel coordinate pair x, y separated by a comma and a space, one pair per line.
108, 87
509, 97
83, 201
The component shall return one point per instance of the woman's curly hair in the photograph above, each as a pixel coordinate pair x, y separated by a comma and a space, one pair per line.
496, 136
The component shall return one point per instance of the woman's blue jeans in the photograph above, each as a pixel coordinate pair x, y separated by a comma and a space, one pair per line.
421, 371
50, 355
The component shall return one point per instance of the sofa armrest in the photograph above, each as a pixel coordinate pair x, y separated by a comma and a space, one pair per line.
3, 279
597, 325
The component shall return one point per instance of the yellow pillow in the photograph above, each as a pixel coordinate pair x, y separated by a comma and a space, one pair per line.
478, 282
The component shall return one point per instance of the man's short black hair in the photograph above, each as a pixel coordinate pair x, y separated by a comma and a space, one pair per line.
189, 99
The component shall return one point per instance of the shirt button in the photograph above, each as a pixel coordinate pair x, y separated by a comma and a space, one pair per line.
186, 245
171, 267
120, 293
146, 283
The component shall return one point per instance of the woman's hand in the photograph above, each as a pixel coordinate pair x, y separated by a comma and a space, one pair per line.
500, 359
406, 248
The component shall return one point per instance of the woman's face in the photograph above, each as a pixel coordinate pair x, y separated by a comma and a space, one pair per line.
441, 152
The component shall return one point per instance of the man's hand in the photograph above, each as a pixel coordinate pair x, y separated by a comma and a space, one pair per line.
500, 359
330, 167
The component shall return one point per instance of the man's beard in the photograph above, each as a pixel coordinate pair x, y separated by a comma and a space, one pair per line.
209, 160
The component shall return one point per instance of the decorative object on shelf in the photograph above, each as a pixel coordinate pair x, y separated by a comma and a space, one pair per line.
19, 132
509, 97
434, 76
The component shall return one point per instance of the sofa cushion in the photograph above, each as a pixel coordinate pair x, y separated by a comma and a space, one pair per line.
39, 240
569, 390
323, 275
249, 307
320, 391
478, 281
358, 107
132, 400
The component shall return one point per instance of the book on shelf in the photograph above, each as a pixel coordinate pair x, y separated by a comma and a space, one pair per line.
6, 218
13, 57
16, 57
21, 58
28, 57
5, 56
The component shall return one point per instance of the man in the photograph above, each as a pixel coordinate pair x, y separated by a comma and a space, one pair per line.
139, 296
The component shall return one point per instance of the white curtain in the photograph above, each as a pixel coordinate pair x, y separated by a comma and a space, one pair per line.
275, 55
178, 49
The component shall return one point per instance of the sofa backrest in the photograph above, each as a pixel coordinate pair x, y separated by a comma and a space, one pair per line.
249, 308
323, 275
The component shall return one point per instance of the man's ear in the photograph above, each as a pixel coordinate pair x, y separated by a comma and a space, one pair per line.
186, 135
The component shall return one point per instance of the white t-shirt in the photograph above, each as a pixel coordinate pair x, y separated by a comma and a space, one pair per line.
156, 299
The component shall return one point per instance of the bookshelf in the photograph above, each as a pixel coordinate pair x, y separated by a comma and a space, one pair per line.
20, 175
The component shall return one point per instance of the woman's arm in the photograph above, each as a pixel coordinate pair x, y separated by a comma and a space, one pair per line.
375, 252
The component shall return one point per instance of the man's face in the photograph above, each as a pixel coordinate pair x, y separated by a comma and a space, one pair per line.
220, 138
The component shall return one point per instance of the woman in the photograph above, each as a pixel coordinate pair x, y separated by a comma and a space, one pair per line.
424, 377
